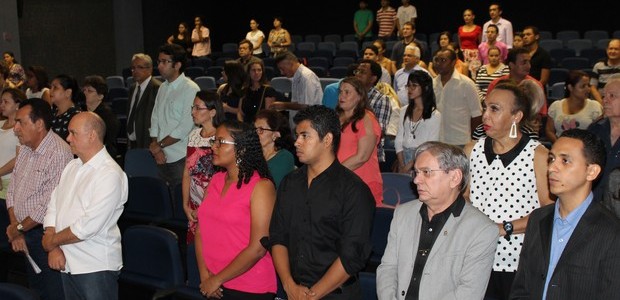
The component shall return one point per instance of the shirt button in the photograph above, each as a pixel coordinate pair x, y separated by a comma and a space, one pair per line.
561, 241
430, 230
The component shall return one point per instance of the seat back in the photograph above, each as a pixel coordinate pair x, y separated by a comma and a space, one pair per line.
115, 81
334, 38
282, 84
368, 282
545, 35
594, 55
566, 35
148, 201
397, 189
550, 44
379, 235
193, 72
338, 72
318, 62
118, 92
557, 75
230, 48
151, 258
579, 44
206, 83
602, 44
313, 38
140, 162
596, 35
575, 63
557, 91
306, 46
343, 61
119, 106
327, 81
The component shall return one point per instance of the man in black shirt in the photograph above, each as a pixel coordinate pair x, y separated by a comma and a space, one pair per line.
440, 247
322, 219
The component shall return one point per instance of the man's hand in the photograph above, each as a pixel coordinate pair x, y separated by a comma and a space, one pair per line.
19, 244
298, 292
48, 240
12, 232
56, 259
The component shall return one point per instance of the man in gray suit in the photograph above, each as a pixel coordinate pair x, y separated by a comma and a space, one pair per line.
142, 99
440, 247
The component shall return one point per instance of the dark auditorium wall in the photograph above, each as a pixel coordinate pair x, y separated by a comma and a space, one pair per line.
67, 36
229, 20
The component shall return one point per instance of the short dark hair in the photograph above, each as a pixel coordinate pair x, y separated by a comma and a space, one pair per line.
177, 53
39, 110
534, 29
286, 55
69, 83
573, 78
514, 52
322, 119
98, 83
41, 76
375, 68
246, 41
593, 147
521, 101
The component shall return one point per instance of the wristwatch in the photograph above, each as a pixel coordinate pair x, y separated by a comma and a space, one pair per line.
161, 144
20, 227
508, 228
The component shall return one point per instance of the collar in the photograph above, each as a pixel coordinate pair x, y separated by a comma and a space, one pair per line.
507, 157
177, 81
145, 83
574, 216
45, 143
97, 160
456, 208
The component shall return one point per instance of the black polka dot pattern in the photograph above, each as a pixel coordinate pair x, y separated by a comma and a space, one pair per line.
504, 194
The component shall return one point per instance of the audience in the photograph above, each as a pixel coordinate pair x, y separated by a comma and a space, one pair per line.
9, 144
319, 249
201, 37
540, 61
410, 64
182, 38
170, 122
385, 62
258, 94
508, 178
483, 48
604, 69
17, 76
232, 91
246, 56
405, 13
504, 27
233, 219
408, 39
386, 21
420, 120
207, 114
362, 23
489, 72
279, 38
470, 36
95, 89
256, 37
371, 52
141, 102
37, 83
361, 133
67, 98
576, 110
39, 164
276, 141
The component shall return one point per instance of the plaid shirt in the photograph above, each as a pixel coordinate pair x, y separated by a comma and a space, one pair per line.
36, 174
382, 108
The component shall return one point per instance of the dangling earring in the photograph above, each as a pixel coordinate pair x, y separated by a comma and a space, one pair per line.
238, 161
513, 130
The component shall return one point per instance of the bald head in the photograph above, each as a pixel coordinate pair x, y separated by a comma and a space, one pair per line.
93, 121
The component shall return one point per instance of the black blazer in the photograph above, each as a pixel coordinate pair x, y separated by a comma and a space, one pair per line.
142, 121
589, 267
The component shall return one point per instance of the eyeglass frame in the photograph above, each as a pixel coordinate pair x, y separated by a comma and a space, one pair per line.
260, 130
196, 107
426, 172
219, 142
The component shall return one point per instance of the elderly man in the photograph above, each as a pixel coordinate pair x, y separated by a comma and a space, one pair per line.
80, 224
245, 53
321, 223
42, 157
440, 247
570, 249
140, 107
411, 60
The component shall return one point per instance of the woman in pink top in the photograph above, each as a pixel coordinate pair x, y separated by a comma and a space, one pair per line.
234, 217
360, 135
470, 36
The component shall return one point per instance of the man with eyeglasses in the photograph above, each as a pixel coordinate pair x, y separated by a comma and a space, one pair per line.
453, 243
170, 120
411, 60
457, 100
140, 105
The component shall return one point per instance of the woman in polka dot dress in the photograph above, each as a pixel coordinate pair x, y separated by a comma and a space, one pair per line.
508, 178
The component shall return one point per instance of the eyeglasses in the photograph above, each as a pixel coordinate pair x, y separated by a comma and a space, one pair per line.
260, 130
88, 91
439, 60
219, 142
164, 61
133, 68
196, 107
426, 172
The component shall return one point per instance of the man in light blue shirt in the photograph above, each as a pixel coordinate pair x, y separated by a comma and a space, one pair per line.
571, 249
171, 119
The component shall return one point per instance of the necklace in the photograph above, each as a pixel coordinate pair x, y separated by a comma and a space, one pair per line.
414, 127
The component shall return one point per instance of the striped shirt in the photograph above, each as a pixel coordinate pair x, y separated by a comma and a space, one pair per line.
386, 18
36, 175
483, 79
602, 72
382, 107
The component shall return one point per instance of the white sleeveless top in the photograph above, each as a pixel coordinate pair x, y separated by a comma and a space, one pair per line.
504, 188
30, 94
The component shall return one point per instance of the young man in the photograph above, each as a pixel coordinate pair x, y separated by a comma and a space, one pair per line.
540, 62
505, 27
386, 20
321, 223
570, 249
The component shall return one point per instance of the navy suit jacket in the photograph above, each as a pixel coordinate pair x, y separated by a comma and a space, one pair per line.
589, 267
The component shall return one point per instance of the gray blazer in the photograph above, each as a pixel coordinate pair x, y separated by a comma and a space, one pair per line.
458, 266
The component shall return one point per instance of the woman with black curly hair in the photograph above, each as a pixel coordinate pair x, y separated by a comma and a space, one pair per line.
234, 217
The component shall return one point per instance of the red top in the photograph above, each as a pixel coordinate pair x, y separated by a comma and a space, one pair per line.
470, 40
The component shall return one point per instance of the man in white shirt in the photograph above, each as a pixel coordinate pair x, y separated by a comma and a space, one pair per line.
505, 27
411, 60
82, 214
457, 100
405, 13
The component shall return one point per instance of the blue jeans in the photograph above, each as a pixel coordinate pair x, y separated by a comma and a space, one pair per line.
101, 285
47, 283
